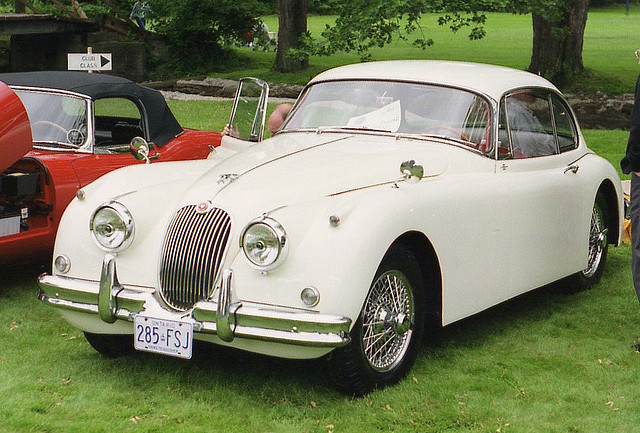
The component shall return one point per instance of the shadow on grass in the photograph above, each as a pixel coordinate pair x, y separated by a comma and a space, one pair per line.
236, 371
13, 278
244, 374
220, 367
525, 310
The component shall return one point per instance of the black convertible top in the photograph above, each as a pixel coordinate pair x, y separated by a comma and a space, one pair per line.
162, 125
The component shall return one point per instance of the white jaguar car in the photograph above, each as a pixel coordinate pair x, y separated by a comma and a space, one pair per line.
395, 195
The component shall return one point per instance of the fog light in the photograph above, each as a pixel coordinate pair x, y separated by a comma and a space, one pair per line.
62, 264
310, 296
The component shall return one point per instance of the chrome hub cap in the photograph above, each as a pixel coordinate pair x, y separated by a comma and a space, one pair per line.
387, 319
399, 322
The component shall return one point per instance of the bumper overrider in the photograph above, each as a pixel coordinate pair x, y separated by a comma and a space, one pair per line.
112, 301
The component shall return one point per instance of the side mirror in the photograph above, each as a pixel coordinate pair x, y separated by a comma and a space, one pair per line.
249, 109
411, 172
139, 148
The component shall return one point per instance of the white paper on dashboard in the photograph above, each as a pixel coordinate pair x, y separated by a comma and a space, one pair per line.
386, 118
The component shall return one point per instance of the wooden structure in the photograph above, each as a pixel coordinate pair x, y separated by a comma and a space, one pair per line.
41, 42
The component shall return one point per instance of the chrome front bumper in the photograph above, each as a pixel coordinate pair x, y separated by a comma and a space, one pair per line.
111, 301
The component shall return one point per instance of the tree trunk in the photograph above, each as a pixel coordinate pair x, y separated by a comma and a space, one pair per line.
557, 45
20, 9
292, 22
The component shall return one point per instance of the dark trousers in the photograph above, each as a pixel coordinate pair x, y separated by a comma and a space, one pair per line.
635, 232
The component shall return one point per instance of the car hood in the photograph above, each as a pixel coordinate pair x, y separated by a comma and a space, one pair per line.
15, 130
295, 167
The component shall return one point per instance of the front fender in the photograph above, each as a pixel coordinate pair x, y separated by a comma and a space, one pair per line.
339, 260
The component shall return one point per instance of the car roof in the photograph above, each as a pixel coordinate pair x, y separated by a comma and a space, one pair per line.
162, 124
491, 80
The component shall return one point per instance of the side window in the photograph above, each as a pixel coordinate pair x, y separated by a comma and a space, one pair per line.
529, 124
117, 121
565, 128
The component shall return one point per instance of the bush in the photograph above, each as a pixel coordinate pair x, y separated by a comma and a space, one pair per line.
198, 31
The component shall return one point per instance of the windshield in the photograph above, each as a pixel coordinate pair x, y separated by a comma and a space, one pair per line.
56, 119
394, 107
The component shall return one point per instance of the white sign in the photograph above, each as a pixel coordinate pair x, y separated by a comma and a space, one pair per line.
88, 62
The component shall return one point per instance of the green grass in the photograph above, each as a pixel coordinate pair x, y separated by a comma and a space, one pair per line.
610, 144
547, 361
611, 37
204, 115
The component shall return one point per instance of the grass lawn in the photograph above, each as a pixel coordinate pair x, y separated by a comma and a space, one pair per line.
611, 37
545, 362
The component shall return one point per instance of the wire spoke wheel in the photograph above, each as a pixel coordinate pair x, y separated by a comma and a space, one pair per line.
597, 241
386, 338
597, 248
387, 321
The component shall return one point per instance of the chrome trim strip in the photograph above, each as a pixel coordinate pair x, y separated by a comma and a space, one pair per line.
250, 321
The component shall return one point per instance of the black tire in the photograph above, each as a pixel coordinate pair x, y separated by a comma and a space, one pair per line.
392, 320
111, 345
598, 246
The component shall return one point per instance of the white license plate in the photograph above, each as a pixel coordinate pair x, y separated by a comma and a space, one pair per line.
168, 337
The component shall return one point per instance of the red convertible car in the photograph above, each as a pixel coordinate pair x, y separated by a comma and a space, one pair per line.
62, 130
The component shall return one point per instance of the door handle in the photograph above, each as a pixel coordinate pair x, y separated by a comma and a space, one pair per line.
572, 168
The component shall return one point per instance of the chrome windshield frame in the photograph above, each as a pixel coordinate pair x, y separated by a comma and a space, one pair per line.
88, 145
492, 106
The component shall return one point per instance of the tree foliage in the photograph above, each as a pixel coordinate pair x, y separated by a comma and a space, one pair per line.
558, 27
365, 24
198, 30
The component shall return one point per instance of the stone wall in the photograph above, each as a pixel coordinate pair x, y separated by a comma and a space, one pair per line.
601, 111
227, 88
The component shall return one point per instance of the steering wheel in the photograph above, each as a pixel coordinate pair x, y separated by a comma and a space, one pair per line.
50, 123
444, 127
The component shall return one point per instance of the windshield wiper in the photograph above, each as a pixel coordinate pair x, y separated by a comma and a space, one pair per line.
439, 136
54, 144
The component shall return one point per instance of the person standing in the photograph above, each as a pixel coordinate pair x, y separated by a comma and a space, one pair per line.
630, 164
140, 12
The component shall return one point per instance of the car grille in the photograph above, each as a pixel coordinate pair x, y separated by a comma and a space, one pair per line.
192, 254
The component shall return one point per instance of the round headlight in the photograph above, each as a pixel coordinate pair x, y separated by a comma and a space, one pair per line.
264, 243
112, 227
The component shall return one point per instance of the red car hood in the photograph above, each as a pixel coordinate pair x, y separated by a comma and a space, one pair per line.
15, 130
